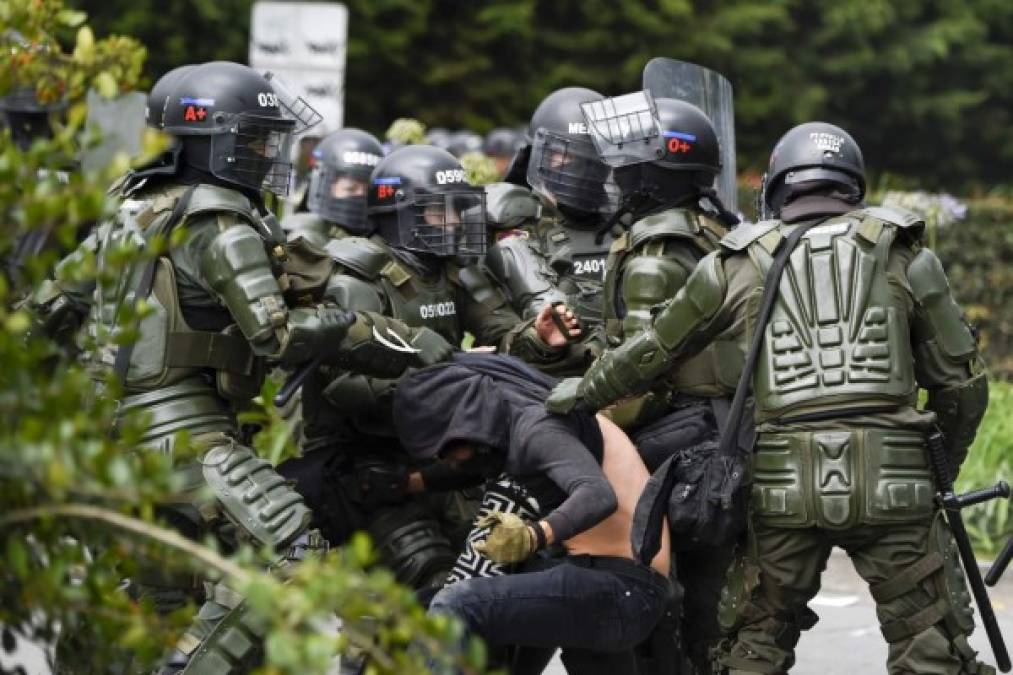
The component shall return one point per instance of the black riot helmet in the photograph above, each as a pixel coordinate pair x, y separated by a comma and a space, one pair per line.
420, 200
344, 161
233, 125
503, 142
462, 142
27, 117
159, 95
564, 166
811, 157
686, 158
438, 136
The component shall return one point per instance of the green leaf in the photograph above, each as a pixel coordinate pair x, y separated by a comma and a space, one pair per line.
106, 85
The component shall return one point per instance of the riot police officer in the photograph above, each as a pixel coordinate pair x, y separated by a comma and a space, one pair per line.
558, 254
337, 188
223, 304
418, 268
863, 317
667, 188
501, 144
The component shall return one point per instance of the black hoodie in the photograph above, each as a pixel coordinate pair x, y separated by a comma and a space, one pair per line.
499, 401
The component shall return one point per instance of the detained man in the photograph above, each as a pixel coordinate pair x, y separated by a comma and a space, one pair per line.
484, 413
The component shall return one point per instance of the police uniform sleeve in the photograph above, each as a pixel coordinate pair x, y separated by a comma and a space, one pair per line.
547, 446
686, 325
947, 363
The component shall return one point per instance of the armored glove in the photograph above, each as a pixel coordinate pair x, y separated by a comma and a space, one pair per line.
432, 347
314, 331
510, 539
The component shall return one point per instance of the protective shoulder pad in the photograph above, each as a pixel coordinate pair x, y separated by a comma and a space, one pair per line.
931, 290
895, 215
671, 223
216, 199
360, 255
508, 206
744, 235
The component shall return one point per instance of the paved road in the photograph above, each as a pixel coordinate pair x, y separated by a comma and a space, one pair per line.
846, 641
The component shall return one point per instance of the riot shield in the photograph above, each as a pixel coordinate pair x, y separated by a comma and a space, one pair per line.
711, 92
120, 125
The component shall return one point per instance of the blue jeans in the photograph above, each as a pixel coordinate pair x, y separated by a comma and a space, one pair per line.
594, 603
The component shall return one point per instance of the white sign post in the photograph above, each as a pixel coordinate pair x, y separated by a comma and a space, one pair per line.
303, 43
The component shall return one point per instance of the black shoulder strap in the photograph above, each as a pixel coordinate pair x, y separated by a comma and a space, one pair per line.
730, 433
123, 354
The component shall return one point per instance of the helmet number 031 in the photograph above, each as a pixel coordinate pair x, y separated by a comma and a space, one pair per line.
267, 99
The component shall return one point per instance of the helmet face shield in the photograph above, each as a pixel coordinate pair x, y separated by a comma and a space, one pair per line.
445, 224
339, 196
625, 129
255, 153
294, 107
568, 171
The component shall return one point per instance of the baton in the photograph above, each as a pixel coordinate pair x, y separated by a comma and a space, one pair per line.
560, 324
952, 503
1000, 564
294, 381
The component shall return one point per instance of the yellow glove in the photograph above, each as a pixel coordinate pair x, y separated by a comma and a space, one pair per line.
510, 539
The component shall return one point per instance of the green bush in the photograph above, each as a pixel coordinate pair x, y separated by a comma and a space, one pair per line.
989, 524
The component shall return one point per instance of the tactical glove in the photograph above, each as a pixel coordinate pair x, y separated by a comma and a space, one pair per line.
314, 331
510, 539
432, 347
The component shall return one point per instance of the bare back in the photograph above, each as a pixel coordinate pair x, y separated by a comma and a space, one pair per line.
627, 475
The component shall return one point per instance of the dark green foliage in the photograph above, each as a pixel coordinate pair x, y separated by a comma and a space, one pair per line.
924, 85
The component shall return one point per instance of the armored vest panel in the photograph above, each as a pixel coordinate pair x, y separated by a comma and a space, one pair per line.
578, 265
647, 266
410, 298
838, 338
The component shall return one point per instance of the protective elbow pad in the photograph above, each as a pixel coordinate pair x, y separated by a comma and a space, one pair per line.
694, 304
236, 266
521, 272
931, 291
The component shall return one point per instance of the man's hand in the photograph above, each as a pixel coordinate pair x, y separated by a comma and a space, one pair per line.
565, 397
510, 539
556, 325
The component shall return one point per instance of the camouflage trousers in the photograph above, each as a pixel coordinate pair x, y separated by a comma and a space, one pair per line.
913, 572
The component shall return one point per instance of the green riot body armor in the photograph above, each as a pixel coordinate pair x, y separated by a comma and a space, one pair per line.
838, 343
646, 267
838, 338
375, 280
576, 263
168, 365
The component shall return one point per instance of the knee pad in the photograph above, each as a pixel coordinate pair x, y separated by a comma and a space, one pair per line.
229, 640
939, 578
411, 543
254, 497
